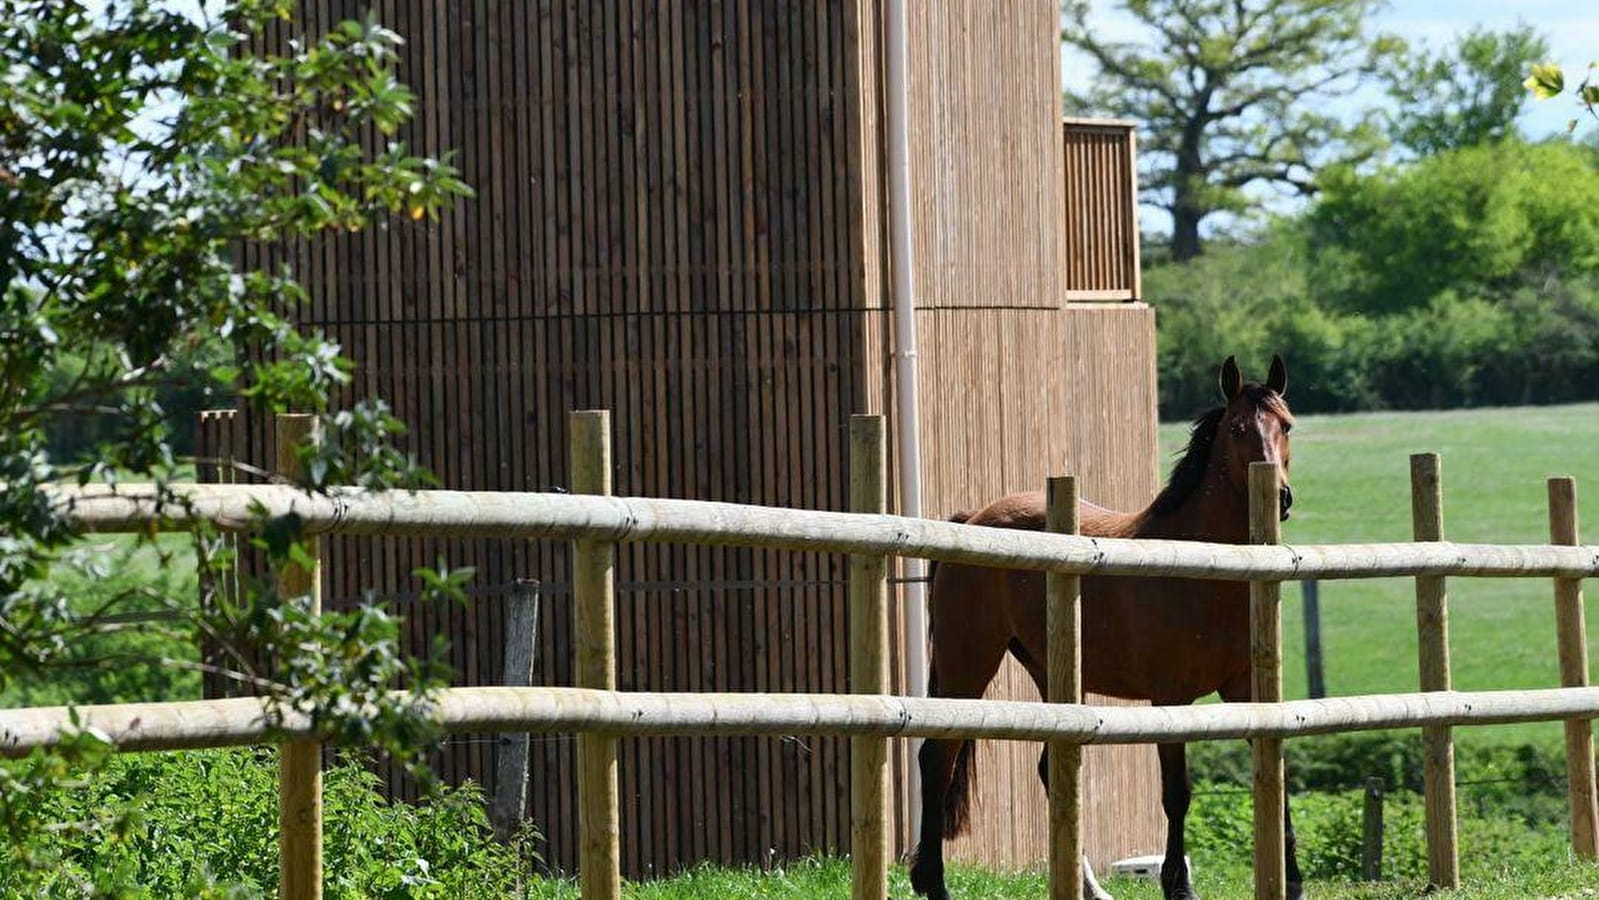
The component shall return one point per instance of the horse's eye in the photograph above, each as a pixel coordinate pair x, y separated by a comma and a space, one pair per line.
1287, 427
1239, 427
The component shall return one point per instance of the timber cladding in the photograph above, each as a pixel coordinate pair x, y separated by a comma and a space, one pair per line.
680, 218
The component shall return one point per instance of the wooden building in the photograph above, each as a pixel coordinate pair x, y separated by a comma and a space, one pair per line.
680, 217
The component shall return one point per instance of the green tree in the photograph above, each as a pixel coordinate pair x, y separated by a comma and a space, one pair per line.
1489, 217
1231, 94
138, 148
1465, 95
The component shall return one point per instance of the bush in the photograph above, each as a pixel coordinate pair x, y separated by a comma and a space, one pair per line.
1536, 341
1473, 219
205, 824
1329, 830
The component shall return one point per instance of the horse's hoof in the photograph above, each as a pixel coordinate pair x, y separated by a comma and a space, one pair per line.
928, 884
1296, 891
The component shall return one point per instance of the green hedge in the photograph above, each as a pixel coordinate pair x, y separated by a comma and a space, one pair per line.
204, 824
1533, 343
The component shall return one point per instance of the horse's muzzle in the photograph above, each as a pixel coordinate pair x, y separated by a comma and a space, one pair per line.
1285, 501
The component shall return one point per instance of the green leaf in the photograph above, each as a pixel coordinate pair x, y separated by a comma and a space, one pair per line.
1546, 80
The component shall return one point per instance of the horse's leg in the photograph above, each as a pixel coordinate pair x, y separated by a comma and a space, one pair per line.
938, 760
1091, 887
1295, 889
1175, 794
965, 655
1296, 882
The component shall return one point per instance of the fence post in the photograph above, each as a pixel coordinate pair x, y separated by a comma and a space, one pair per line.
510, 764
1315, 678
1266, 658
1432, 643
868, 667
299, 762
1573, 640
1065, 668
1371, 832
593, 588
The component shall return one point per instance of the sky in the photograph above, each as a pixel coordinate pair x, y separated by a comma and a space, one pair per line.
1571, 28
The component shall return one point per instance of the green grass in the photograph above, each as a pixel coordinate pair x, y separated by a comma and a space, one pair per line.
829, 878
1351, 484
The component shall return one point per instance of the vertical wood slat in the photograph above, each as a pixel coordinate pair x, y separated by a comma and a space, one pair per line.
1432, 632
868, 665
1063, 616
593, 582
300, 762
1266, 640
1571, 633
1100, 211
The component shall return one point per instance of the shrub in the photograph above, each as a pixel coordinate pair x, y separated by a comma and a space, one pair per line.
205, 824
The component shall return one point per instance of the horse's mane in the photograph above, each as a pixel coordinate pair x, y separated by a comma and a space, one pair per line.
1189, 473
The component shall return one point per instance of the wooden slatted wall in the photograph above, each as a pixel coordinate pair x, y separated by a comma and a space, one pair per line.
663, 228
1016, 382
680, 218
1101, 210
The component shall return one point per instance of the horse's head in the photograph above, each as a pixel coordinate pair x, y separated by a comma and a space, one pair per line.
1254, 426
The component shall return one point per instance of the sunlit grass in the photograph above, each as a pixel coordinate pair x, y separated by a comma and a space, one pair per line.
1351, 484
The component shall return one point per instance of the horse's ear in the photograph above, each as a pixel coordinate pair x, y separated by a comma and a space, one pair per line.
1278, 379
1232, 381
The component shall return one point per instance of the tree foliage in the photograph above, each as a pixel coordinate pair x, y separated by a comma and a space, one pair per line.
1483, 217
139, 147
1231, 94
1466, 95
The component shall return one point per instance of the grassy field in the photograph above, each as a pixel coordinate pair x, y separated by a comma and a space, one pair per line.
1351, 483
827, 879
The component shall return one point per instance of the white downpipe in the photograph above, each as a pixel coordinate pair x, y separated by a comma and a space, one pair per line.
903, 300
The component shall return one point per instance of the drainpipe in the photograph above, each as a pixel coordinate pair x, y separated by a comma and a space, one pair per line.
903, 300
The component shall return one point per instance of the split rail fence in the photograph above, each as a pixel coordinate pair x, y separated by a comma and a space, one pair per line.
600, 715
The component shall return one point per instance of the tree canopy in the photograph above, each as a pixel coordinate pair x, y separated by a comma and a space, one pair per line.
139, 147
1232, 94
1468, 94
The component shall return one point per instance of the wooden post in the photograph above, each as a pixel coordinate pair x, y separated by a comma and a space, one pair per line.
1371, 832
299, 762
868, 667
510, 764
1266, 658
593, 586
1315, 678
1432, 647
1065, 670
1573, 640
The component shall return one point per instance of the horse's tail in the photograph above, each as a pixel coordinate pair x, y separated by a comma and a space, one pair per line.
959, 518
958, 798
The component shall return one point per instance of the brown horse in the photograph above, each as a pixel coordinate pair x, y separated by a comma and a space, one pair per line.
1166, 640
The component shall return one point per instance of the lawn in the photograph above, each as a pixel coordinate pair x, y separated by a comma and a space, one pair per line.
1351, 484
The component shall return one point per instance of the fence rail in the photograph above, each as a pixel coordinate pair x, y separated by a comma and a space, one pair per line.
543, 516
242, 721
599, 715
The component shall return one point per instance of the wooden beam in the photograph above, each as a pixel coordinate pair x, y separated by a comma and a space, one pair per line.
594, 593
1572, 634
538, 516
1065, 679
868, 667
241, 721
1432, 643
299, 762
1266, 666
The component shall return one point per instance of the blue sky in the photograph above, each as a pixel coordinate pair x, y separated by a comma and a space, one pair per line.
1570, 26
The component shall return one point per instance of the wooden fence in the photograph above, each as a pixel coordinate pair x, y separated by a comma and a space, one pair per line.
601, 714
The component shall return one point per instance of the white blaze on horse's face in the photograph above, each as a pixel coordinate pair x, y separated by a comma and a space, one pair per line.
1255, 426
